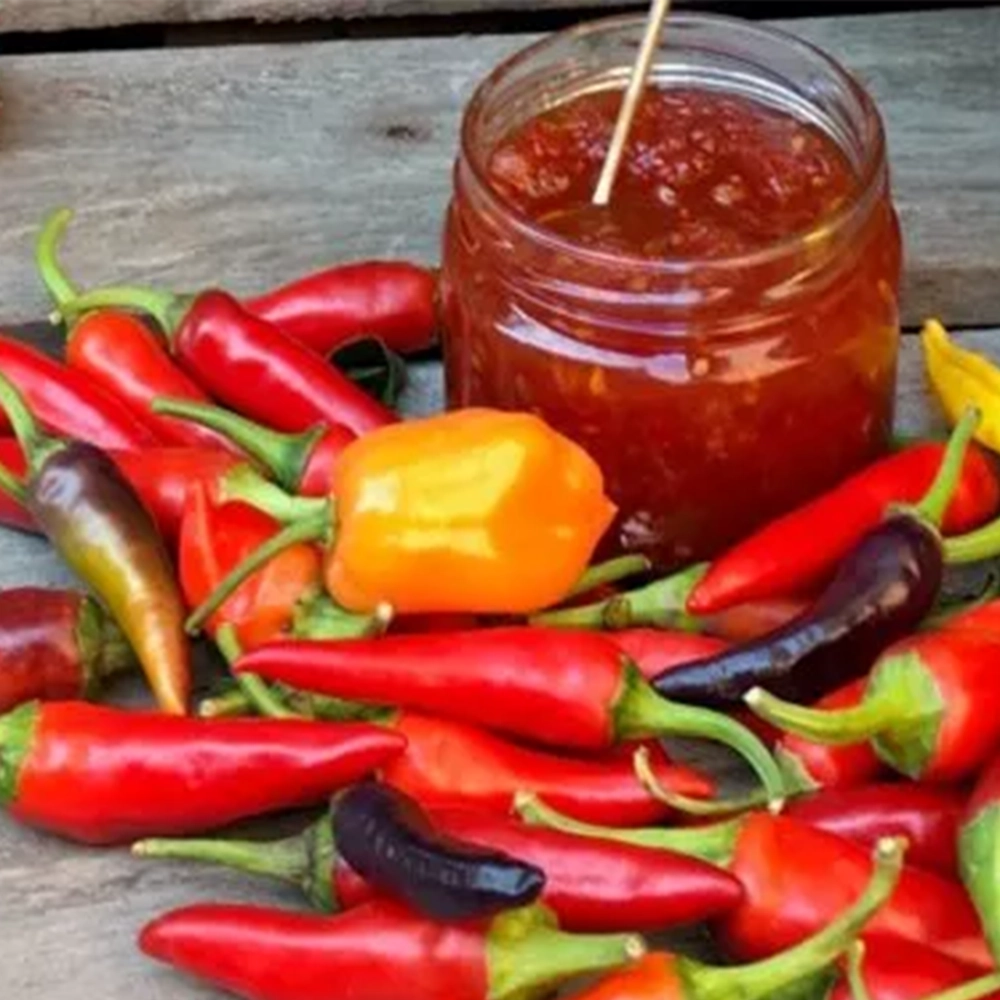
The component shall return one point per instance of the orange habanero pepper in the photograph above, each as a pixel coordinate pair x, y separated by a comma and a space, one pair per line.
476, 510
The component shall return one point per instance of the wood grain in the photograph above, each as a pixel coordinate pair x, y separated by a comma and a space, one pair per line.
69, 916
62, 15
246, 165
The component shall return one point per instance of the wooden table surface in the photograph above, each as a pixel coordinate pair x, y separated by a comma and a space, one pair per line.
245, 164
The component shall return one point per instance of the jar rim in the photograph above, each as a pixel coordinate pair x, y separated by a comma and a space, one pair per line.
871, 168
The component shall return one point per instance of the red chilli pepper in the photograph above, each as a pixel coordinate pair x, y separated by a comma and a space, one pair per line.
570, 690
926, 815
797, 553
798, 878
590, 885
302, 463
931, 707
103, 776
214, 538
380, 951
67, 401
247, 363
163, 477
810, 765
663, 976
392, 300
121, 354
56, 644
450, 765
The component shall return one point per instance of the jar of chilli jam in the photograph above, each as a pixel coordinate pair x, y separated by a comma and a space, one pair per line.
722, 337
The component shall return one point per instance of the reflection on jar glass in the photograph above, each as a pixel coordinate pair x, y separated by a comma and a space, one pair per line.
723, 337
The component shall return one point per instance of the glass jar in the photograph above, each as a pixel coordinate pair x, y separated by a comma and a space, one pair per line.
715, 390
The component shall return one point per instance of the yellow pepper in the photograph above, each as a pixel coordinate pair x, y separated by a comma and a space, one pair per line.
962, 378
475, 510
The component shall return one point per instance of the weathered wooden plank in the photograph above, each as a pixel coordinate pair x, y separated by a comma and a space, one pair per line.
63, 15
69, 916
248, 164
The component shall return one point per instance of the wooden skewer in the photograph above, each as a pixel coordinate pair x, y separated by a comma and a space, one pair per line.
636, 85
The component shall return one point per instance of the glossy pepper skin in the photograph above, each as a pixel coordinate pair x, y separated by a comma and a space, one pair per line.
799, 552
161, 476
570, 690
119, 353
785, 868
100, 775
247, 363
897, 970
380, 951
215, 537
591, 885
883, 589
302, 463
663, 976
653, 650
394, 301
927, 816
394, 845
931, 707
960, 377
809, 765
979, 850
67, 402
448, 513
448, 764
93, 517
56, 645
443, 515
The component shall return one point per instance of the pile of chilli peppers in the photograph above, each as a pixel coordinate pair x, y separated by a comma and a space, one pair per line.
414, 641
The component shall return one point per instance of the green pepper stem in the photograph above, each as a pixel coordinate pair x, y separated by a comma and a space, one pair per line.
714, 843
527, 957
103, 649
285, 456
854, 965
230, 705
284, 860
17, 736
305, 861
166, 308
698, 807
320, 618
311, 529
972, 990
245, 484
759, 980
610, 571
257, 691
660, 604
976, 546
36, 444
50, 238
12, 486
878, 712
935, 501
640, 712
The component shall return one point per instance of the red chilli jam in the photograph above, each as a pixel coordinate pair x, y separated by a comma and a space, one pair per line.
722, 337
